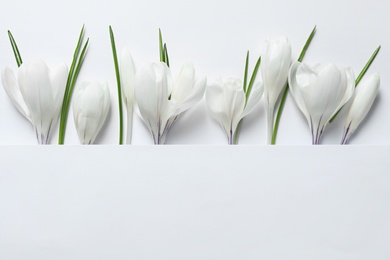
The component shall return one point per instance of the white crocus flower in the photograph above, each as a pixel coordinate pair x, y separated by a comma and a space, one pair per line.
320, 91
226, 103
276, 59
37, 93
160, 100
91, 103
127, 74
362, 101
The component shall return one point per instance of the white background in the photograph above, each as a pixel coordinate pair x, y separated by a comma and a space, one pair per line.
196, 202
215, 36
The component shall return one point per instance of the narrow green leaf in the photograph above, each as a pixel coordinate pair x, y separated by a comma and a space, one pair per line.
248, 91
118, 80
308, 41
285, 92
279, 114
15, 49
68, 88
246, 71
76, 73
236, 136
253, 78
166, 54
361, 74
161, 46
367, 66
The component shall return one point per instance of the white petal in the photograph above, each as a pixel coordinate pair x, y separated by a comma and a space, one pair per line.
319, 92
151, 91
254, 98
364, 98
127, 74
58, 78
349, 88
235, 101
162, 79
146, 95
196, 94
184, 83
36, 90
275, 67
295, 88
323, 96
90, 108
11, 87
215, 101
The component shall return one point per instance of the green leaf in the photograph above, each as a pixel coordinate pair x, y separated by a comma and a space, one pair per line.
285, 92
166, 55
118, 80
246, 70
237, 133
71, 81
361, 74
161, 46
15, 49
308, 41
367, 66
253, 78
248, 91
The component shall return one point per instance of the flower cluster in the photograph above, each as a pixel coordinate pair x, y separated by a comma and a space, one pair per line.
43, 95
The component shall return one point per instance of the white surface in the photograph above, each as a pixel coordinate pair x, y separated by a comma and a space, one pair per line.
215, 35
195, 202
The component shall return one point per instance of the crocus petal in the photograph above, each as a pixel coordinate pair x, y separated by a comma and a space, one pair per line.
184, 83
254, 98
146, 95
235, 101
215, 101
350, 88
127, 74
90, 108
324, 95
295, 87
36, 90
58, 76
362, 102
151, 91
160, 100
276, 59
192, 98
226, 102
12, 89
319, 92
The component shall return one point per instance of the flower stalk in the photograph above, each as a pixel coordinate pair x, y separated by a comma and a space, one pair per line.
274, 72
285, 93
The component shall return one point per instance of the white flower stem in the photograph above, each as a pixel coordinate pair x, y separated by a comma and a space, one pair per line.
129, 124
230, 138
41, 138
270, 121
347, 134
316, 131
